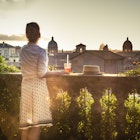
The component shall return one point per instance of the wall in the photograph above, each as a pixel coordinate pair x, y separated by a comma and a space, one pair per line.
10, 93
86, 59
120, 86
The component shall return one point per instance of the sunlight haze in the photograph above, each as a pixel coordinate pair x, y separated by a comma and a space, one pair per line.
71, 22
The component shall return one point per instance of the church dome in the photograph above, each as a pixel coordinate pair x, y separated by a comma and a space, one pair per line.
52, 46
127, 46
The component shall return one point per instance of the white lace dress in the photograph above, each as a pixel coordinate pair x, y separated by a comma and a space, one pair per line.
35, 100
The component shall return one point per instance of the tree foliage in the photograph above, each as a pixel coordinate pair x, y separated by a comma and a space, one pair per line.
85, 102
108, 121
132, 104
134, 72
5, 68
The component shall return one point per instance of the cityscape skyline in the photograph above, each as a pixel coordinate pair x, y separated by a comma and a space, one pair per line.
90, 22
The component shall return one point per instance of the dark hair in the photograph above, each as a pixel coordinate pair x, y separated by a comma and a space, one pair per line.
32, 32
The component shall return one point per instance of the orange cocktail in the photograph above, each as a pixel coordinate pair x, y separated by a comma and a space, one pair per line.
67, 67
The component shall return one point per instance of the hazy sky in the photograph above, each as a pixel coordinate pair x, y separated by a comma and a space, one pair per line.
72, 22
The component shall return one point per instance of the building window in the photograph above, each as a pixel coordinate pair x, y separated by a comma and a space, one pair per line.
6, 53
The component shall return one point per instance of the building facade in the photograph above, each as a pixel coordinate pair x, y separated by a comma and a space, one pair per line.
108, 61
10, 54
131, 57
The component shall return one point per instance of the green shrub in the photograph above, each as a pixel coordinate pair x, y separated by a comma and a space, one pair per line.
74, 117
85, 102
5, 68
9, 114
61, 111
52, 67
132, 104
108, 115
134, 72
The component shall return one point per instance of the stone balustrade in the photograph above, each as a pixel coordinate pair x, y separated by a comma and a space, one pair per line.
121, 86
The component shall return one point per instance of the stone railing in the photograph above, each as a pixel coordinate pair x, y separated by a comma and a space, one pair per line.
10, 83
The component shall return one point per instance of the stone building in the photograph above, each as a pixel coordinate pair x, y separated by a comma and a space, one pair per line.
52, 47
108, 61
10, 54
127, 46
80, 48
6, 50
132, 58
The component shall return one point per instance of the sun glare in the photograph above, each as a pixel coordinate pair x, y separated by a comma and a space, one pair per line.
15, 43
42, 43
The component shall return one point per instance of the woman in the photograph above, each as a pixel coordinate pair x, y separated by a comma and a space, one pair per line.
34, 103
